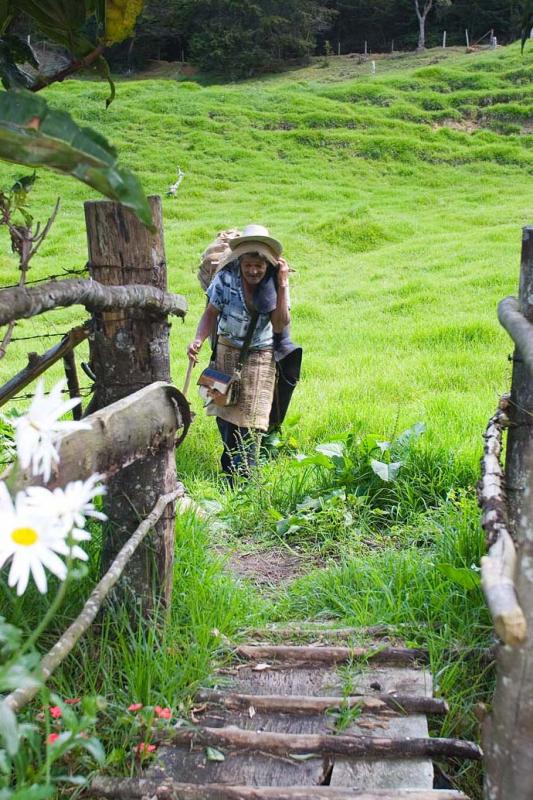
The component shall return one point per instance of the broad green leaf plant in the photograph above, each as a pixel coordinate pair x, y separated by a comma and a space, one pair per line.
32, 133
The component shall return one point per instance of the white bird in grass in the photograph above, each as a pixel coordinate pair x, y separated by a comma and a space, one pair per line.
173, 188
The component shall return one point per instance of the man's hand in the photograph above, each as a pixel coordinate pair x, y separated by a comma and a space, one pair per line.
283, 273
193, 350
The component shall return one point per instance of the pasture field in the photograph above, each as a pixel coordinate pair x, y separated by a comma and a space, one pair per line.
399, 198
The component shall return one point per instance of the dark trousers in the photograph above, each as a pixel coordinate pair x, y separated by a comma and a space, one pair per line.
240, 448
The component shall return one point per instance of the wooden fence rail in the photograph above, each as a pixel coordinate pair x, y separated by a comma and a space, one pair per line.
507, 570
30, 301
498, 566
39, 364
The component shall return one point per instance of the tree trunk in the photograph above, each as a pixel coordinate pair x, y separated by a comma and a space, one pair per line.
509, 729
421, 33
422, 16
129, 350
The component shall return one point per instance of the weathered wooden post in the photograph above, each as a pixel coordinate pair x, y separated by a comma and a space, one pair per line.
129, 350
509, 729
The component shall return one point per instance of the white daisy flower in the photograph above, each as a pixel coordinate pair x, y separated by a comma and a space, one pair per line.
38, 431
70, 505
31, 539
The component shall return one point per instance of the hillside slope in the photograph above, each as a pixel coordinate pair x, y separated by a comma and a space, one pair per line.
399, 197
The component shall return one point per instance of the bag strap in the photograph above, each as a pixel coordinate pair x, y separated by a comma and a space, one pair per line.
247, 341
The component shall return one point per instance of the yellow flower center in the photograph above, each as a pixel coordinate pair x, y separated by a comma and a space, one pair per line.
24, 536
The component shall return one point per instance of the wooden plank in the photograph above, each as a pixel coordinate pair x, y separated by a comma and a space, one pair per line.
134, 788
374, 773
320, 682
239, 768
396, 773
330, 655
277, 723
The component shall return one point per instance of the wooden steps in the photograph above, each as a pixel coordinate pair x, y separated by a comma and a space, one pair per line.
297, 722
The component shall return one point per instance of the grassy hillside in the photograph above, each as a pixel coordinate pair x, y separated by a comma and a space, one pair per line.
399, 198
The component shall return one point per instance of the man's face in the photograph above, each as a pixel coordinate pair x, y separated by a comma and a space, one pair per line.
253, 269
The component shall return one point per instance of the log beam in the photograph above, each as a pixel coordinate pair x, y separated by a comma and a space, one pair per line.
26, 302
119, 435
39, 364
284, 744
296, 704
498, 566
330, 655
167, 789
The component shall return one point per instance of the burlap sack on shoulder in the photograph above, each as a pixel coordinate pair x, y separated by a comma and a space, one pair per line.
213, 255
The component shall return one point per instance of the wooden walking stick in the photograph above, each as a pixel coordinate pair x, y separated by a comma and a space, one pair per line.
188, 377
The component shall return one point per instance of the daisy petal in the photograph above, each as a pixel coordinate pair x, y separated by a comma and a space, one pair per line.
39, 575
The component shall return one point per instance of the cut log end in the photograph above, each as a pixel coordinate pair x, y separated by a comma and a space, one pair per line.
512, 627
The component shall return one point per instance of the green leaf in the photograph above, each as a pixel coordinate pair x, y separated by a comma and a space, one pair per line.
302, 756
212, 754
387, 472
75, 780
8, 729
462, 576
16, 677
20, 50
62, 22
331, 449
9, 637
33, 793
94, 747
318, 460
413, 432
12, 75
31, 133
5, 763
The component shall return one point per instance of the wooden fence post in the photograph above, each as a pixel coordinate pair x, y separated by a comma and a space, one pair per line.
129, 350
509, 729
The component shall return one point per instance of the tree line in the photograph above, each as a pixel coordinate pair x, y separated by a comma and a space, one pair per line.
240, 38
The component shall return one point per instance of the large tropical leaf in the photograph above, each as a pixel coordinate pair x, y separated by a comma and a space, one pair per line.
33, 134
63, 21
14, 51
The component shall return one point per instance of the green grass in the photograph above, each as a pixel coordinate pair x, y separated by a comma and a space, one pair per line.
404, 231
400, 199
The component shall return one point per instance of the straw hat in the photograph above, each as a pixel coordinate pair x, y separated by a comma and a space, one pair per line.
250, 240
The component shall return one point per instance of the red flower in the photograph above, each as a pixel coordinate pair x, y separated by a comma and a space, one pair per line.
51, 738
163, 713
135, 707
55, 712
144, 749
72, 701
